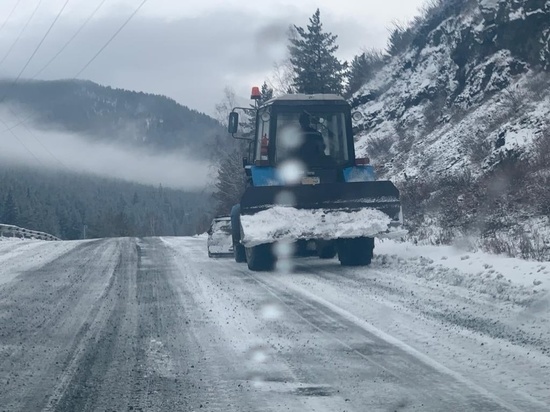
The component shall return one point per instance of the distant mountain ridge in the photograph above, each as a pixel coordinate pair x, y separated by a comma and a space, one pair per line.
113, 115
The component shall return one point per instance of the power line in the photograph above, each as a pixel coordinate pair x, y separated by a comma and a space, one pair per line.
61, 50
111, 38
21, 33
2, 61
9, 15
21, 72
33, 135
90, 17
46, 148
10, 129
16, 125
23, 144
40, 43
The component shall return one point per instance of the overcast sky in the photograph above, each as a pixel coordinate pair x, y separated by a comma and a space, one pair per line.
187, 50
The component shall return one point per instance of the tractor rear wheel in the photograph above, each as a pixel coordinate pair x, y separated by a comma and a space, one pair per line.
355, 252
236, 234
325, 249
260, 258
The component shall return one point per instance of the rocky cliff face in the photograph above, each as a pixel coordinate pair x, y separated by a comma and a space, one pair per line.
460, 116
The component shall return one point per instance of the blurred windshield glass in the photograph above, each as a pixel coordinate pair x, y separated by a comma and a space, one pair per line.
293, 133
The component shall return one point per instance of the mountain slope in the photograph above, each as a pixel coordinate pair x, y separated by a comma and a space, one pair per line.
459, 117
105, 114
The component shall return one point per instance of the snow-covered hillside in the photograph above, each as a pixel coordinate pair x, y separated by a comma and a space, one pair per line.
460, 117
103, 114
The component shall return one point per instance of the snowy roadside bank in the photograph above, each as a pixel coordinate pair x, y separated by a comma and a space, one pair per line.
16, 239
490, 295
501, 276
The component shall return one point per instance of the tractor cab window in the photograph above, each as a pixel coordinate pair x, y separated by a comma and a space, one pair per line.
262, 137
318, 138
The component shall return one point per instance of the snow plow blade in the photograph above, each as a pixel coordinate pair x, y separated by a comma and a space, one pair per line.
329, 211
379, 195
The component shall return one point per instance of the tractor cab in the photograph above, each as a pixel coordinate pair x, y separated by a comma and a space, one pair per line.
312, 129
313, 132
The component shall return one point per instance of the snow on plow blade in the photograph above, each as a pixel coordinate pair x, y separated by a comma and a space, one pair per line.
328, 211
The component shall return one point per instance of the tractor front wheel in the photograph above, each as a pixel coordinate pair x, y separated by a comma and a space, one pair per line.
239, 253
260, 258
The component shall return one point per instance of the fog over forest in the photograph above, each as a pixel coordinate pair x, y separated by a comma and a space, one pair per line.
69, 151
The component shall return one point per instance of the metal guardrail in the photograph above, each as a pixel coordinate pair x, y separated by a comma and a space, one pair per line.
14, 231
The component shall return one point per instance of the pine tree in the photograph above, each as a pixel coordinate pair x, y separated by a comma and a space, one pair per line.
10, 214
267, 93
316, 68
249, 125
28, 211
61, 204
230, 182
363, 68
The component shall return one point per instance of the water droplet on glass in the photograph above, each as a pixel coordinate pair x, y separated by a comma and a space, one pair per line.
284, 266
270, 311
291, 171
283, 249
285, 198
257, 381
290, 137
259, 355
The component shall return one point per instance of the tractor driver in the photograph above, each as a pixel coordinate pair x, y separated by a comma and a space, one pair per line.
312, 149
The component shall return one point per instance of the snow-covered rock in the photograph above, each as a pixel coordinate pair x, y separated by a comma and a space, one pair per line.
470, 94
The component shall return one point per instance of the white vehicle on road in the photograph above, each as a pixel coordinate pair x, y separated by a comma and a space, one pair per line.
219, 237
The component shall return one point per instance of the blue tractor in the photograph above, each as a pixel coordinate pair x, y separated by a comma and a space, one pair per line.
306, 187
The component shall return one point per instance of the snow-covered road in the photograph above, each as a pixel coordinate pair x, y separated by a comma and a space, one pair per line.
155, 325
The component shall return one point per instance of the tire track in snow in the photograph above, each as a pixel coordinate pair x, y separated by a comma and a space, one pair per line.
43, 319
499, 342
92, 350
382, 279
310, 308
